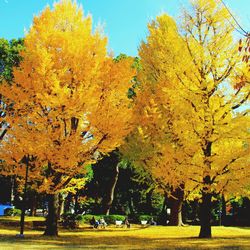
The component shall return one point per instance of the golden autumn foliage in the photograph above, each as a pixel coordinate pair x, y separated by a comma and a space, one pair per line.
69, 98
193, 125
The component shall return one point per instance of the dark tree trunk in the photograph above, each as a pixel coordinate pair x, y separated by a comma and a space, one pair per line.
3, 134
149, 206
163, 215
206, 205
131, 204
176, 213
68, 201
22, 219
165, 204
33, 206
109, 197
195, 210
205, 216
223, 210
52, 217
76, 207
176, 207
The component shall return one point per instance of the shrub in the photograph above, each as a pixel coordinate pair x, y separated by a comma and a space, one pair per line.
70, 220
87, 217
12, 212
79, 217
144, 217
110, 219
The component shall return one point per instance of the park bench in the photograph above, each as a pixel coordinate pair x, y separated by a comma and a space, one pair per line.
118, 223
144, 223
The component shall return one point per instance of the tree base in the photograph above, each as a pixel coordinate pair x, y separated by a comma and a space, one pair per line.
205, 232
205, 236
51, 234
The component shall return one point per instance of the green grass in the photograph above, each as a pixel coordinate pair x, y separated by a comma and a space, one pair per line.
17, 218
154, 237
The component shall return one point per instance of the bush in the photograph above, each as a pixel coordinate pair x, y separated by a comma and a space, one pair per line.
86, 218
70, 220
110, 219
12, 212
144, 217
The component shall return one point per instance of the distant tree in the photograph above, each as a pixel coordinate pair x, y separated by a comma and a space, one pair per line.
103, 183
9, 58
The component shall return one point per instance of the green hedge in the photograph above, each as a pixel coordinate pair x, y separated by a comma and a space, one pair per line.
144, 217
140, 217
110, 219
87, 217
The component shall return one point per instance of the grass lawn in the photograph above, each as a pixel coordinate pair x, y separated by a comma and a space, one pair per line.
154, 237
17, 218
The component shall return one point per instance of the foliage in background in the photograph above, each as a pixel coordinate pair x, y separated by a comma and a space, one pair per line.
12, 212
9, 57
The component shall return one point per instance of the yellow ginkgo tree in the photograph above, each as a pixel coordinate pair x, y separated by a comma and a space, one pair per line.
69, 101
194, 133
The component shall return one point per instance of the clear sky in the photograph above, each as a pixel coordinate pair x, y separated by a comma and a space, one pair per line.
125, 21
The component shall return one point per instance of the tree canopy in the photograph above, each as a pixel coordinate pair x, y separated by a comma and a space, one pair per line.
69, 97
192, 124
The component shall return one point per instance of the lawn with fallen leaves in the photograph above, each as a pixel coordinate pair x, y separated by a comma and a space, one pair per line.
136, 237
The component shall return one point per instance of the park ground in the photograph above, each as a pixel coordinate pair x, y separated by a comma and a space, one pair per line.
137, 237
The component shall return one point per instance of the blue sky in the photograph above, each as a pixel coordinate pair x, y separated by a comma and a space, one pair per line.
125, 21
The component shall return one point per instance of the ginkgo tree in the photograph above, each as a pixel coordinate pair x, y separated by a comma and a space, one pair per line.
69, 99
155, 146
195, 130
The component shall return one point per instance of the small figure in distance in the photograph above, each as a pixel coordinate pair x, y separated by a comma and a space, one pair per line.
102, 222
94, 222
152, 222
126, 223
45, 212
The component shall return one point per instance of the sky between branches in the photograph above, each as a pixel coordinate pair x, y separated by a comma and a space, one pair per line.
125, 21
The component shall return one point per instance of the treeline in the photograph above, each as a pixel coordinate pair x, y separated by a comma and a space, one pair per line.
133, 197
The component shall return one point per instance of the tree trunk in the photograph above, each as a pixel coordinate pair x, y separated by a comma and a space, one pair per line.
68, 201
163, 215
109, 197
223, 211
176, 213
149, 206
62, 204
205, 216
12, 195
131, 204
33, 202
206, 205
76, 206
176, 207
52, 217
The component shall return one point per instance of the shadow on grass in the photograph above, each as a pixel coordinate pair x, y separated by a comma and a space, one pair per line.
36, 241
